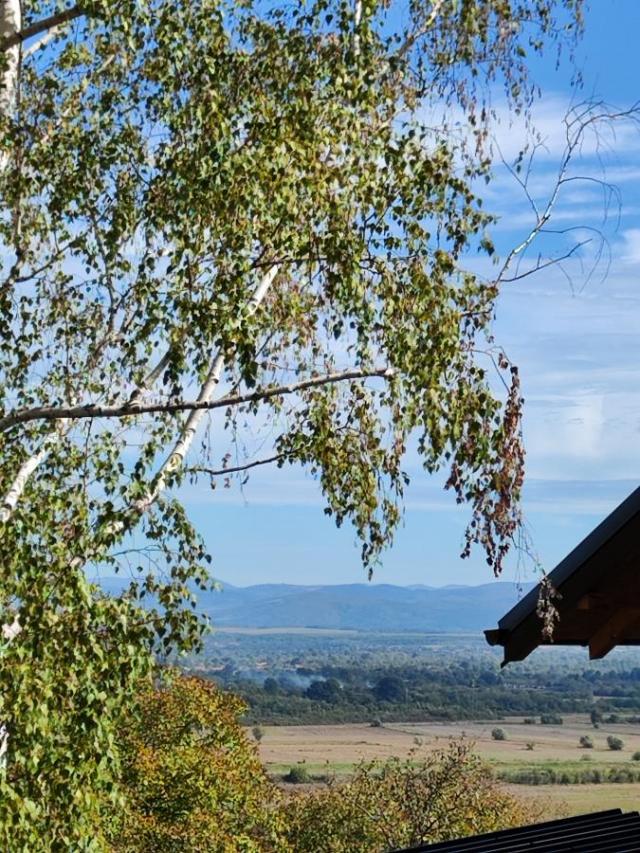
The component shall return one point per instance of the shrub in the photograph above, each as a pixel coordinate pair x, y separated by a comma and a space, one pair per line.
297, 775
191, 777
615, 743
586, 742
551, 720
258, 733
529, 721
376, 724
498, 734
402, 803
530, 745
635, 756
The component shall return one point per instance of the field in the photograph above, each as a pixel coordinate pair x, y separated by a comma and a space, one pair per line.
334, 749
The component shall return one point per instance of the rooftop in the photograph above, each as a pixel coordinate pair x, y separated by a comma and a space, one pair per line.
602, 832
598, 593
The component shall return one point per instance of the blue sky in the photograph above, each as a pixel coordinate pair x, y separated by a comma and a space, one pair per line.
575, 340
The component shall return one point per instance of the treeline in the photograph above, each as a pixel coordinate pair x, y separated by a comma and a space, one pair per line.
287, 678
360, 694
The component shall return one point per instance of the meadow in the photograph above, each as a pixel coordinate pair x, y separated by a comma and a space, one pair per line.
328, 751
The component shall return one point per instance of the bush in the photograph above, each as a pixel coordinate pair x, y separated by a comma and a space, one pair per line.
551, 720
615, 743
498, 734
530, 745
191, 777
529, 721
258, 733
586, 742
404, 802
297, 775
635, 756
376, 724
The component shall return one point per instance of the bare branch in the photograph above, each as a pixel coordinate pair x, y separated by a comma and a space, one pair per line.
541, 265
220, 472
577, 123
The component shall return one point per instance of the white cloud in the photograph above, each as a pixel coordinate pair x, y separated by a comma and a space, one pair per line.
631, 239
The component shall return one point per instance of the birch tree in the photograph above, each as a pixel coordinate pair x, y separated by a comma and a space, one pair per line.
219, 217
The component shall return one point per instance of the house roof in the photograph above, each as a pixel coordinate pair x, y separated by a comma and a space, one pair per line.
598, 587
602, 832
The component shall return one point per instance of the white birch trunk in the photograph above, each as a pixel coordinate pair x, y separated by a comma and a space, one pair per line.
181, 448
10, 25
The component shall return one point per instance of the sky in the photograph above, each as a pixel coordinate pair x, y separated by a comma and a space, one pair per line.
573, 333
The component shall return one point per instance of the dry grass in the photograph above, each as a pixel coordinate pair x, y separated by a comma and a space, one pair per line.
335, 749
348, 744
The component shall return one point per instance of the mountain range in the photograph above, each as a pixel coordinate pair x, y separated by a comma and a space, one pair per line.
361, 607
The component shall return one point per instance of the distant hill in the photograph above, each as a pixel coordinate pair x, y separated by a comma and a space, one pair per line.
363, 607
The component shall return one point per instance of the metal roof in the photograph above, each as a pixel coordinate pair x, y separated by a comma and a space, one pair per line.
599, 593
601, 832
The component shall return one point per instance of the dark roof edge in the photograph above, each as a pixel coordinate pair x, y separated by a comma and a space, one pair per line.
595, 540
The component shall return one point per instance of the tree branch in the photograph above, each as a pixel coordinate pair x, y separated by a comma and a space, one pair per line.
40, 27
219, 472
124, 410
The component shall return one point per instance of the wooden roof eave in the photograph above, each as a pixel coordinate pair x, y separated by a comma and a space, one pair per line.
608, 545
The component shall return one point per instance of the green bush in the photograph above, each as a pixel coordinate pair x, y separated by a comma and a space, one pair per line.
586, 742
297, 775
615, 743
551, 719
498, 734
635, 756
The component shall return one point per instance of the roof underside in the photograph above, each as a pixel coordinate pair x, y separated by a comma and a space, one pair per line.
598, 593
602, 832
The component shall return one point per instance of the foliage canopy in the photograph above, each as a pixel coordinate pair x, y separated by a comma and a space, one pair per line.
239, 207
192, 778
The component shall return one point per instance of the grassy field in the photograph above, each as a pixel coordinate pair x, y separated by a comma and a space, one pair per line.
327, 750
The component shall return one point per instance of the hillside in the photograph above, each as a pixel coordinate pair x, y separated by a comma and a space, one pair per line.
363, 607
